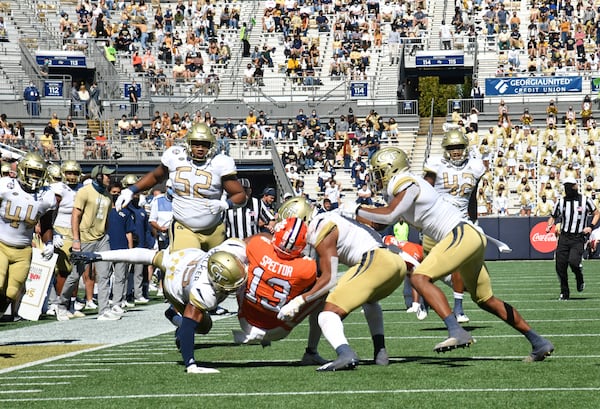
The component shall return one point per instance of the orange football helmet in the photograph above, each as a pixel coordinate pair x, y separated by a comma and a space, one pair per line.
289, 237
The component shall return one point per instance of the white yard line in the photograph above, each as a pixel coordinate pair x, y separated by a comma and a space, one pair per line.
306, 393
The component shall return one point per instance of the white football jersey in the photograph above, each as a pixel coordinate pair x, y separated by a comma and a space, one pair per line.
186, 275
354, 239
429, 213
193, 183
456, 183
65, 207
20, 211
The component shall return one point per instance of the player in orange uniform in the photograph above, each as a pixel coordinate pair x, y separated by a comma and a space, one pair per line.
277, 273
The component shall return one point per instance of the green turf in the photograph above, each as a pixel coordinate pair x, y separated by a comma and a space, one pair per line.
490, 374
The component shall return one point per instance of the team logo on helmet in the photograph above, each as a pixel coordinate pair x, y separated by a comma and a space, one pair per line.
226, 271
296, 207
289, 238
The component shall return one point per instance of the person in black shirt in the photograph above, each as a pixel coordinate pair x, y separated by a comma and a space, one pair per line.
572, 211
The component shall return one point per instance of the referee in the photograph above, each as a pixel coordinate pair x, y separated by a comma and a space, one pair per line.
242, 222
572, 211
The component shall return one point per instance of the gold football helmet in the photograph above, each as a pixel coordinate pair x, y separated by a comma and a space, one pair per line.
6, 169
31, 171
385, 163
455, 144
226, 271
53, 173
71, 172
296, 207
129, 180
200, 134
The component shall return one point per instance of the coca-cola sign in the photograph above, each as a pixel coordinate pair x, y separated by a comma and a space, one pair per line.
542, 241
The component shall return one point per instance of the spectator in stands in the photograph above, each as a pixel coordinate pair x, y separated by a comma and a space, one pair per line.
133, 98
124, 127
102, 147
249, 76
241, 130
110, 52
244, 40
514, 58
364, 195
31, 95
446, 36
136, 61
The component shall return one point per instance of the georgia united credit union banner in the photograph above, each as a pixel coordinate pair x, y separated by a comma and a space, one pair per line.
531, 85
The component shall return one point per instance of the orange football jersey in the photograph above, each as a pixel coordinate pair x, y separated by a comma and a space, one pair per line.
272, 282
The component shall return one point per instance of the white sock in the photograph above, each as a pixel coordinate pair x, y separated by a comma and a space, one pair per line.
333, 329
458, 296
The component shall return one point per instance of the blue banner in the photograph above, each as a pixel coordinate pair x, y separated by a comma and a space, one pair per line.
532, 85
53, 89
595, 84
138, 90
359, 89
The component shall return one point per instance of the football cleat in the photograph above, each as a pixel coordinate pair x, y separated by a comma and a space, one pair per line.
462, 318
84, 257
414, 308
540, 353
463, 341
381, 357
422, 313
289, 238
200, 369
344, 362
312, 358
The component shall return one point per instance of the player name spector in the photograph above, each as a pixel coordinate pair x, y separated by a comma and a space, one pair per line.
276, 267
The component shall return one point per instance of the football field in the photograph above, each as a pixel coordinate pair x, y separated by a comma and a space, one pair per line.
141, 368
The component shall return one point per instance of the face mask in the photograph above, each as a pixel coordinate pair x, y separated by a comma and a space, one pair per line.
115, 197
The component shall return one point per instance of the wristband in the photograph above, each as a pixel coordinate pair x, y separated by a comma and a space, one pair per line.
230, 203
76, 241
48, 243
134, 188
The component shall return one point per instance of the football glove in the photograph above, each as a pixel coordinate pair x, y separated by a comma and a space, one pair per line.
349, 210
217, 206
289, 311
199, 369
84, 257
123, 199
57, 240
48, 251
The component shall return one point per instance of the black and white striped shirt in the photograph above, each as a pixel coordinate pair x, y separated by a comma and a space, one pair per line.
242, 222
573, 213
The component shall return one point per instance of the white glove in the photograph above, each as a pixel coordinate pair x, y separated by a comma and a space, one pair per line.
217, 206
48, 250
289, 311
199, 369
57, 240
349, 210
123, 199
